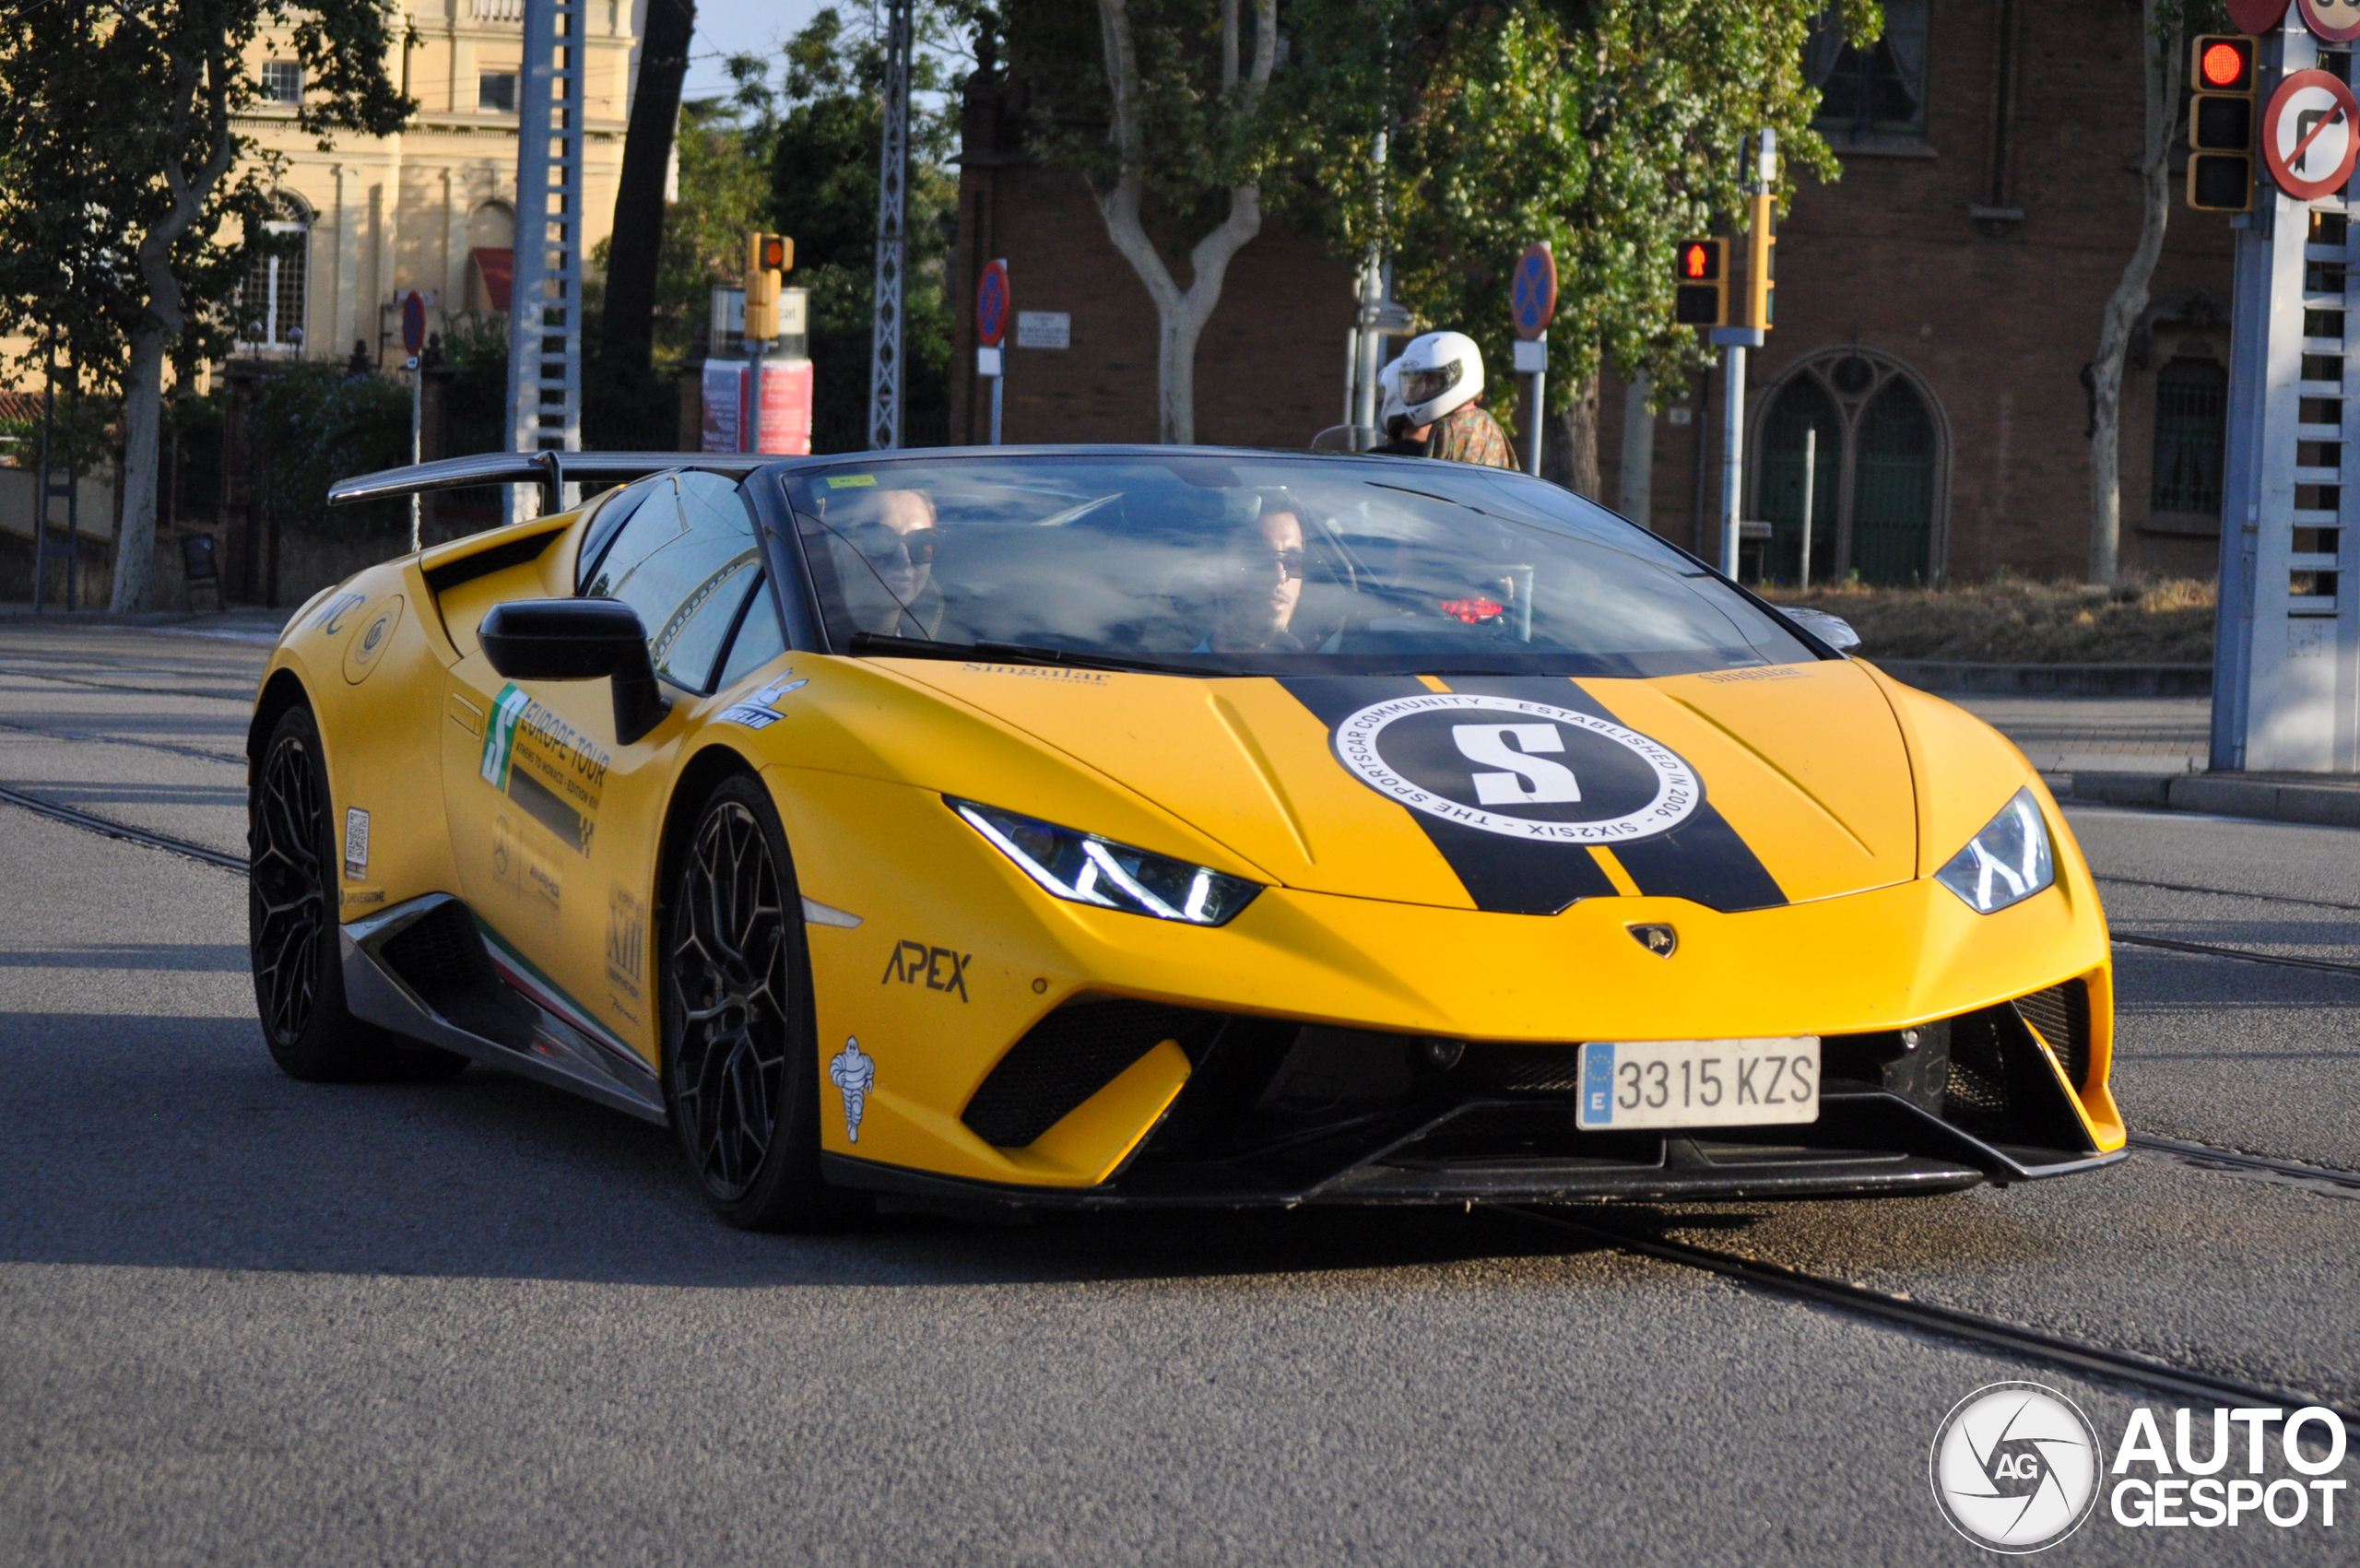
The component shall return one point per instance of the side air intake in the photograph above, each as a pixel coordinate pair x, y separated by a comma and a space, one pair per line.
1068, 1057
2061, 1013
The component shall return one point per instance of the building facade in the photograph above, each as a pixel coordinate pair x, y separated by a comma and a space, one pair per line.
1936, 308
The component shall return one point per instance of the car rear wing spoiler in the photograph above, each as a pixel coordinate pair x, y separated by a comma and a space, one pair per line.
550, 470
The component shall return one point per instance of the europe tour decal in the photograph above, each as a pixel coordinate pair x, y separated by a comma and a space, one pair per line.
552, 770
1523, 783
1523, 769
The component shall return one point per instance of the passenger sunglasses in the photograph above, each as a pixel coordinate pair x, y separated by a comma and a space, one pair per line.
883, 544
1288, 562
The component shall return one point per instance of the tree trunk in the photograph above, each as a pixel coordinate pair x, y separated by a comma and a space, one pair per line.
2161, 28
1180, 316
638, 241
143, 416
1569, 458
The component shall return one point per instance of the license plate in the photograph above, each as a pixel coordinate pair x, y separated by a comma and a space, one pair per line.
1699, 1083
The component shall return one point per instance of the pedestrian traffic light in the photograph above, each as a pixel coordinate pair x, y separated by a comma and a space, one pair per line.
1700, 283
767, 255
2220, 123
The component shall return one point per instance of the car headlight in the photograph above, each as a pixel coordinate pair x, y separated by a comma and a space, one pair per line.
1086, 869
2007, 861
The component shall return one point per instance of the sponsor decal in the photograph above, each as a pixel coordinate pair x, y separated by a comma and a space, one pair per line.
331, 617
758, 711
368, 645
1518, 768
2015, 1466
364, 897
1519, 780
552, 770
1657, 938
853, 1072
1043, 672
941, 969
356, 842
626, 942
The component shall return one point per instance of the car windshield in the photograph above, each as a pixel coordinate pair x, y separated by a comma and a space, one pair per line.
1261, 564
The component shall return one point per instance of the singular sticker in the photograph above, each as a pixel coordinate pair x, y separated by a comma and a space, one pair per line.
941, 968
851, 481
332, 614
776, 689
1775, 672
356, 843
1547, 773
1044, 672
853, 1072
552, 770
625, 943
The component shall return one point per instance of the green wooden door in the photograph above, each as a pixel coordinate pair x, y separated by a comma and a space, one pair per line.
1892, 487
1801, 407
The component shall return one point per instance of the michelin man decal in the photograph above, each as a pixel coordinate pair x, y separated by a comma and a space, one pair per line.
855, 1074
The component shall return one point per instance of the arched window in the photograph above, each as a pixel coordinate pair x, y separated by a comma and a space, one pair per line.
2191, 431
270, 304
492, 256
1877, 462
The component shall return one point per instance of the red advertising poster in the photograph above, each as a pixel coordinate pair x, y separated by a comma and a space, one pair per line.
786, 405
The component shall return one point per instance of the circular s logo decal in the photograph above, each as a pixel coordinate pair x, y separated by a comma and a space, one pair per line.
2015, 1468
1524, 769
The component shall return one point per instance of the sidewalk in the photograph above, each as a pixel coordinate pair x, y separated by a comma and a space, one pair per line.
2327, 799
239, 623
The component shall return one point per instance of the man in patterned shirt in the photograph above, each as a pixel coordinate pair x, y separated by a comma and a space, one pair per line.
1440, 376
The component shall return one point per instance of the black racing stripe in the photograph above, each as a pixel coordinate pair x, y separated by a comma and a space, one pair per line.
1504, 876
1703, 860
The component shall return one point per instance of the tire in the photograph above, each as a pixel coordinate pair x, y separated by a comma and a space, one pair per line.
292, 890
740, 1058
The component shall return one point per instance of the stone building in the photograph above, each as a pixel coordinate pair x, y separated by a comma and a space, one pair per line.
1935, 309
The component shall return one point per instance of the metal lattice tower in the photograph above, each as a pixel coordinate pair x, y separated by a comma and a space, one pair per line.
892, 242
545, 302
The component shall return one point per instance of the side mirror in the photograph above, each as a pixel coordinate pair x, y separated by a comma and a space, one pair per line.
1832, 630
578, 640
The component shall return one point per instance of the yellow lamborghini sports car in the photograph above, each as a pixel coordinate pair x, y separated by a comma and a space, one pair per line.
1161, 826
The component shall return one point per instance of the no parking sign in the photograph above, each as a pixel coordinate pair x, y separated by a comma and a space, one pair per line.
1532, 292
991, 305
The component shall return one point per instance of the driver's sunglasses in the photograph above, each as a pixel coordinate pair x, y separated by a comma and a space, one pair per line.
883, 544
1288, 562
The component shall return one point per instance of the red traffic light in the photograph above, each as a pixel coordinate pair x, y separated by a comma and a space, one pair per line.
774, 254
2224, 64
1699, 259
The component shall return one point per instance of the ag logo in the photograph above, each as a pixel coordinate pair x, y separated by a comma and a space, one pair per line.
1524, 769
2015, 1468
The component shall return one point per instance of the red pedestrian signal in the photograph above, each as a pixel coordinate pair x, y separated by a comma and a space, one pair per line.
1700, 275
2221, 124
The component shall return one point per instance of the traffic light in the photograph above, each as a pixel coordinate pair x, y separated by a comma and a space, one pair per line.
1700, 273
2220, 123
767, 255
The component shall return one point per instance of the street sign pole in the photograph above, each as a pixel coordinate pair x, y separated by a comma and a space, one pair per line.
1735, 341
414, 343
1811, 488
991, 331
2286, 650
1532, 304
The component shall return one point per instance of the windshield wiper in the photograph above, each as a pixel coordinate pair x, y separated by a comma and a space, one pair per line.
1010, 654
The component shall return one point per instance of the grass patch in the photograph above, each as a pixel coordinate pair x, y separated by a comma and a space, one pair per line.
2014, 622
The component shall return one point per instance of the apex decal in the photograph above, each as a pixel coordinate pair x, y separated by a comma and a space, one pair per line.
941, 969
1547, 773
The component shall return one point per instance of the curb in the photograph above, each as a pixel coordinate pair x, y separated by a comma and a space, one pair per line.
2051, 680
2261, 798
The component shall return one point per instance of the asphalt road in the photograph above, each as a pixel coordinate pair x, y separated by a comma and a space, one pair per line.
245, 1320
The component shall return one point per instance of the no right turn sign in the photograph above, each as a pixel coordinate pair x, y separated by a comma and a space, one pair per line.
2308, 135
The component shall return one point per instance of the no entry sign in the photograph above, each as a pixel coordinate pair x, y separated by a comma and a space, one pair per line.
991, 305
2256, 17
413, 320
2308, 137
1532, 296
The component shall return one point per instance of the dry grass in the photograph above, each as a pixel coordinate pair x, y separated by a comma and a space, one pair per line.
2012, 620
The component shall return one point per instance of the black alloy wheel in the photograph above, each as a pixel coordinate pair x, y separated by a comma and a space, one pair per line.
740, 1065
293, 892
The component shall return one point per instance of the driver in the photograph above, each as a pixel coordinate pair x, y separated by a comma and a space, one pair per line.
893, 532
1261, 580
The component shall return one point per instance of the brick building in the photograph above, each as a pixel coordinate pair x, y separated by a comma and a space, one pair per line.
1935, 309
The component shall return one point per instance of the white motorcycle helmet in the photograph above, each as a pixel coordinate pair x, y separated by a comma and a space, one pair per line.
1389, 404
1439, 373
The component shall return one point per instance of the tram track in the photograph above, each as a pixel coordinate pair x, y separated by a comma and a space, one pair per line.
1905, 1312
110, 828
81, 737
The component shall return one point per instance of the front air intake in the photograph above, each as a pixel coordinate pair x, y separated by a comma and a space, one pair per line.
1068, 1057
2061, 1014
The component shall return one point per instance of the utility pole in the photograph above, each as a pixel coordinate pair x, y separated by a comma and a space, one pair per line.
892, 238
767, 257
545, 298
1751, 331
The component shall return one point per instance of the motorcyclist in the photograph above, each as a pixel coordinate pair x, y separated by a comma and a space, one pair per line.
1437, 380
